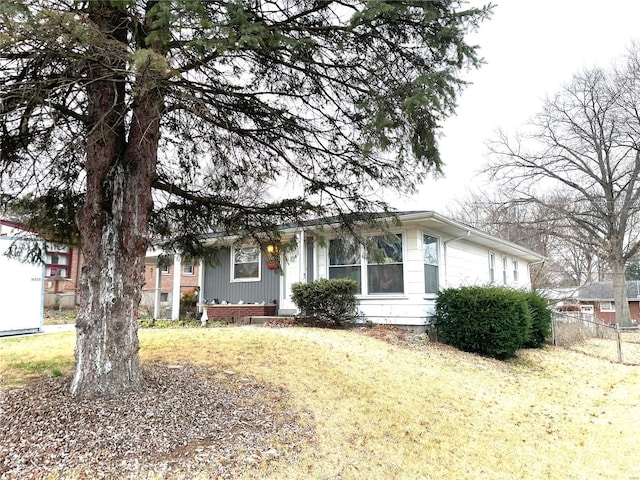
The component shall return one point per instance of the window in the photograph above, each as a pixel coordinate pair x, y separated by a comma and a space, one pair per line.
187, 269
492, 267
515, 271
504, 270
164, 297
246, 264
164, 269
430, 256
345, 260
58, 261
607, 307
384, 269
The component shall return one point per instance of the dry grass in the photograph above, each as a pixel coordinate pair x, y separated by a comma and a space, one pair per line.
385, 411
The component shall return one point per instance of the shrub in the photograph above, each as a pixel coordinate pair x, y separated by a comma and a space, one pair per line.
540, 320
188, 304
492, 321
331, 301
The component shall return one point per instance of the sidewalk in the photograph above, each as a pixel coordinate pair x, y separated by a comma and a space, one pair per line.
58, 328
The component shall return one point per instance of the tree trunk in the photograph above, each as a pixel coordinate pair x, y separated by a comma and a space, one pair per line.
623, 316
114, 222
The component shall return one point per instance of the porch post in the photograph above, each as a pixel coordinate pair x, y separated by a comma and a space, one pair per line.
177, 270
156, 294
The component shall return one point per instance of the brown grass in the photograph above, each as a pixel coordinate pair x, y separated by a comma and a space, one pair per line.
385, 411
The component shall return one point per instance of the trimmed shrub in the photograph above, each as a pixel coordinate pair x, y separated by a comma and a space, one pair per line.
330, 301
540, 320
492, 321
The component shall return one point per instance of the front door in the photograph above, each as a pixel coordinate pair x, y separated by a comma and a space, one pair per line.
291, 273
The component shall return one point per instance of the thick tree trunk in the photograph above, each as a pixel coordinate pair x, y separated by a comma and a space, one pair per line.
623, 316
114, 222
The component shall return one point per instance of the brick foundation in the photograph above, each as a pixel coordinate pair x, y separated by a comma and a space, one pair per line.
240, 311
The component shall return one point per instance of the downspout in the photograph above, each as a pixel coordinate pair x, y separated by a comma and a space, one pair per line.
529, 270
444, 245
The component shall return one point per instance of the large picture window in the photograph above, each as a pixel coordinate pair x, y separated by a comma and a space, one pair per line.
344, 260
430, 256
246, 263
384, 269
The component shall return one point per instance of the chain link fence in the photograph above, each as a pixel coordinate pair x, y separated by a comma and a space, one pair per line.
587, 334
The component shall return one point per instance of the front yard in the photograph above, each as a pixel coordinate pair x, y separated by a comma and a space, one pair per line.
362, 406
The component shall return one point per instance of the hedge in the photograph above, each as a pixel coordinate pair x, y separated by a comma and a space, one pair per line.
493, 321
331, 301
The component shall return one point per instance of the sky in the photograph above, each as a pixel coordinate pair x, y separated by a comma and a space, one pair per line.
531, 49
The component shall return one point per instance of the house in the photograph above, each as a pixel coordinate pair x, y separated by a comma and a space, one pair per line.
159, 281
426, 253
598, 298
62, 263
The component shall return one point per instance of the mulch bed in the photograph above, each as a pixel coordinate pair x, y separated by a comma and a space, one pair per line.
187, 420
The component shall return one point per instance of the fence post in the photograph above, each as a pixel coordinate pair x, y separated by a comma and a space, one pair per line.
619, 344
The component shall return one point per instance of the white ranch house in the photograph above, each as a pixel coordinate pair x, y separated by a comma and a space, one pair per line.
427, 253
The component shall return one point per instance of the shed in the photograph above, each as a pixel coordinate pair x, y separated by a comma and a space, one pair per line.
21, 294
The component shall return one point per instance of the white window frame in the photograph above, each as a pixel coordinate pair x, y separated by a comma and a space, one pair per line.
232, 264
164, 270
492, 267
189, 266
337, 266
364, 269
516, 273
607, 306
436, 264
505, 269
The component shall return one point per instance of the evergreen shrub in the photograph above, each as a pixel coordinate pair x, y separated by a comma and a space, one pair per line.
492, 321
540, 320
331, 301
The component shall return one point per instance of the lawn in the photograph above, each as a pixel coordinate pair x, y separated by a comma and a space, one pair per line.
383, 410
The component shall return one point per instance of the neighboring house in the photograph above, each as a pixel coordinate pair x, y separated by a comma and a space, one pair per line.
62, 267
399, 286
160, 278
599, 297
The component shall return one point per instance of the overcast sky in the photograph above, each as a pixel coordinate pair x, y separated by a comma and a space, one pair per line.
531, 49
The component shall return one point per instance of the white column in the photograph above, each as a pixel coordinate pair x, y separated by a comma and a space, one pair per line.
156, 294
302, 273
177, 270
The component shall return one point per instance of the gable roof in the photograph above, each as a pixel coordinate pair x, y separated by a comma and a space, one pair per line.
604, 291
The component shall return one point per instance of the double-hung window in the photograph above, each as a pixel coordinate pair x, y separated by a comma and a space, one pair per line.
430, 257
516, 277
246, 263
384, 272
492, 267
384, 268
504, 270
345, 260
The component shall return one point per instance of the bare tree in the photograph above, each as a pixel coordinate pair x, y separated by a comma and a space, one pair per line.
103, 102
585, 145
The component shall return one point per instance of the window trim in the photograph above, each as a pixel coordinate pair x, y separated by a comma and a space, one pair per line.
364, 267
165, 270
192, 272
436, 265
611, 308
515, 265
232, 264
492, 267
505, 269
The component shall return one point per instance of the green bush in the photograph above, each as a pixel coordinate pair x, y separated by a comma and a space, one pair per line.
540, 320
492, 321
331, 301
188, 304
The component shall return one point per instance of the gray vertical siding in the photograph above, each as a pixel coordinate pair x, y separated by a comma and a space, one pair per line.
217, 283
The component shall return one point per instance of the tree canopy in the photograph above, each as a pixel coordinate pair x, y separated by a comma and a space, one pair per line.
342, 97
583, 150
205, 103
